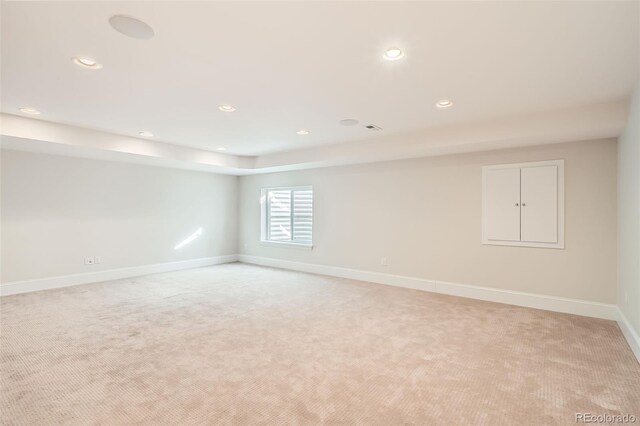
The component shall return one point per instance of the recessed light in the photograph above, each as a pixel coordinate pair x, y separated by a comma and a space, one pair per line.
302, 132
444, 104
29, 110
131, 27
393, 54
222, 148
146, 134
226, 108
87, 62
349, 122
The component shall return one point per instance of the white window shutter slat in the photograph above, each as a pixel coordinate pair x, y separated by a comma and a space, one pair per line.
302, 215
290, 215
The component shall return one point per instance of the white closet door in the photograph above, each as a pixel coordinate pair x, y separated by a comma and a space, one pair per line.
502, 204
539, 212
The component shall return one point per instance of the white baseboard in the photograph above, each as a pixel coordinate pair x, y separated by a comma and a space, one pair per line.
530, 300
17, 287
584, 308
629, 333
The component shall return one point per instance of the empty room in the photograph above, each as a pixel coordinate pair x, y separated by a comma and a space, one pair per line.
320, 213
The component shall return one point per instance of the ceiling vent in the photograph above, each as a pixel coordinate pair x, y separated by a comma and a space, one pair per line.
373, 127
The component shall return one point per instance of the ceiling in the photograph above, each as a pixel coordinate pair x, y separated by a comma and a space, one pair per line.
306, 65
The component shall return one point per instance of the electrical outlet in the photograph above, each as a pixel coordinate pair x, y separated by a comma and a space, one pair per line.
89, 261
97, 259
383, 261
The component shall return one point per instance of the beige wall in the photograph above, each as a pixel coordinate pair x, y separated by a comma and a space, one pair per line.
424, 216
58, 210
629, 216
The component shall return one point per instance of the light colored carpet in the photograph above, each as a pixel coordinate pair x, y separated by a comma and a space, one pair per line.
244, 345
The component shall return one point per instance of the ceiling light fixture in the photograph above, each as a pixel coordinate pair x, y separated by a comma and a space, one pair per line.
146, 134
222, 148
87, 62
226, 108
131, 27
29, 110
444, 104
393, 54
302, 132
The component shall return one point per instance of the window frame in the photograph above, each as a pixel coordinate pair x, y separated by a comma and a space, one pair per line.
264, 217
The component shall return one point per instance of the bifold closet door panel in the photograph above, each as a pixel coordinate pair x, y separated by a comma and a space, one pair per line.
539, 210
502, 204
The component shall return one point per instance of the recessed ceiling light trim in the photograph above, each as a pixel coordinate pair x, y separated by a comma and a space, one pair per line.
444, 104
145, 134
302, 132
222, 148
393, 54
227, 108
30, 110
86, 62
131, 27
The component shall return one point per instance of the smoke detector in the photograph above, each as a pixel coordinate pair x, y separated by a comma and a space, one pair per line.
349, 122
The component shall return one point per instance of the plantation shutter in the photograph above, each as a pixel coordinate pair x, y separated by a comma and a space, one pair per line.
290, 215
302, 215
279, 215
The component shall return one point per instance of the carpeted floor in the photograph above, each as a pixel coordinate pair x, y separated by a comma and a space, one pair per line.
245, 345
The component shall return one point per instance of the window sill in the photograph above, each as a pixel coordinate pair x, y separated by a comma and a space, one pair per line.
287, 244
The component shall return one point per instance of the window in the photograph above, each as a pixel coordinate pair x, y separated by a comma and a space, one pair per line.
287, 215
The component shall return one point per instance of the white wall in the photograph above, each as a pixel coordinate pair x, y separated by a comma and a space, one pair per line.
57, 210
424, 216
629, 216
